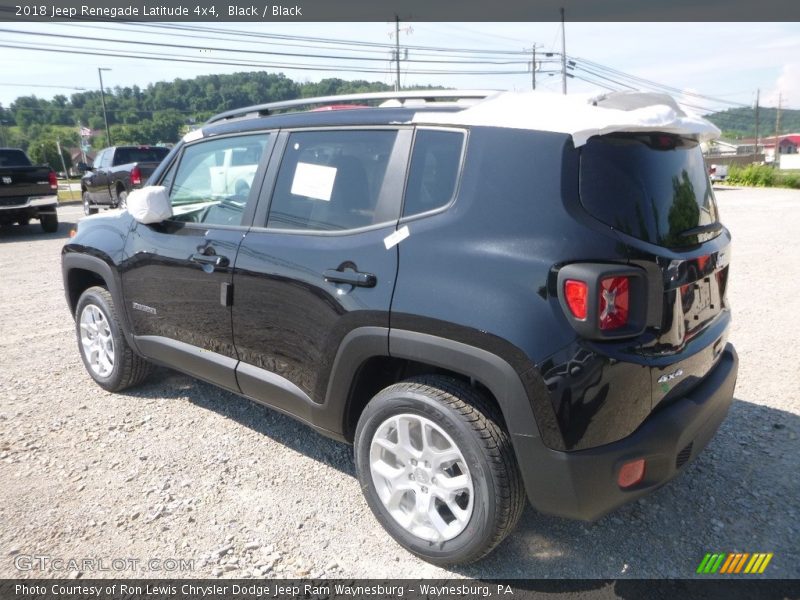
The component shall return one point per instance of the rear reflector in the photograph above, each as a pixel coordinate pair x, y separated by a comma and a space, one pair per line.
631, 473
614, 303
576, 293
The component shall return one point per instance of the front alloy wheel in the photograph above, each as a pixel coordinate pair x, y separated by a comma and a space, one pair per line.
97, 343
108, 358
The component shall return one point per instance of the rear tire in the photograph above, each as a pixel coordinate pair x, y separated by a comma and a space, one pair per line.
438, 470
49, 223
105, 353
88, 208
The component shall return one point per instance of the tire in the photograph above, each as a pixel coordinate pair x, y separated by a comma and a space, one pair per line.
49, 223
116, 366
88, 209
472, 499
122, 199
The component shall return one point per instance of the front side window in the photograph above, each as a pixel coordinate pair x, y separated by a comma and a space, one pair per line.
331, 180
213, 179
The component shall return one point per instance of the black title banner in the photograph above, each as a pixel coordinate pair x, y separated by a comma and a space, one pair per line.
406, 10
456, 589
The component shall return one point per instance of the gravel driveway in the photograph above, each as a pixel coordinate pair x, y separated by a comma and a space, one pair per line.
213, 485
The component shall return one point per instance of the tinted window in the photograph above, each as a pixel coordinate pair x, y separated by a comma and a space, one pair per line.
651, 186
331, 180
98, 160
208, 187
123, 156
13, 158
435, 163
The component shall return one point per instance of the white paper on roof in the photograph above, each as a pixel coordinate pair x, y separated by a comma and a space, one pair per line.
579, 115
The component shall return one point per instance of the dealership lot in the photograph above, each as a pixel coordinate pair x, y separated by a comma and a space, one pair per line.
180, 478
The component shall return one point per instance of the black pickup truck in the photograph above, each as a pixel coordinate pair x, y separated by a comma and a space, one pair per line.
27, 191
115, 172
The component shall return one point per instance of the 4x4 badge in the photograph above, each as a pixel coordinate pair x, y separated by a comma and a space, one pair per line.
671, 376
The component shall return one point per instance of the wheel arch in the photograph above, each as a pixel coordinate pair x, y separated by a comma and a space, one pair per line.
371, 358
80, 272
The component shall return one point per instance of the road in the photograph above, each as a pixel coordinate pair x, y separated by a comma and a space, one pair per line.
178, 469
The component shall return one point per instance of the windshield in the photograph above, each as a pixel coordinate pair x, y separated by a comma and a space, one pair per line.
652, 186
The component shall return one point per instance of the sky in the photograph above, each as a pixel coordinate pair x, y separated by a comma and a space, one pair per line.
711, 66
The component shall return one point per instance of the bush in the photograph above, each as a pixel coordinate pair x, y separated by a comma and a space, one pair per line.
762, 176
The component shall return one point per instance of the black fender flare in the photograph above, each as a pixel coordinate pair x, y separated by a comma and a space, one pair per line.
491, 370
71, 261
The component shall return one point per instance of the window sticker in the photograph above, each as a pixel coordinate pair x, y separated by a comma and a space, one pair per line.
193, 135
390, 241
313, 181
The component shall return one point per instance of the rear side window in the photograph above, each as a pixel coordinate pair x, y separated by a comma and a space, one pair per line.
123, 156
331, 180
13, 158
435, 165
651, 186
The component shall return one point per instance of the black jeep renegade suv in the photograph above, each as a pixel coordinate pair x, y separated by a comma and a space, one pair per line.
487, 313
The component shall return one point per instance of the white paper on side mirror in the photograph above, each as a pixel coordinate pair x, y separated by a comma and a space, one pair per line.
149, 204
313, 181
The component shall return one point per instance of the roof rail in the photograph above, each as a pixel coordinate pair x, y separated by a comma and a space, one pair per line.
427, 95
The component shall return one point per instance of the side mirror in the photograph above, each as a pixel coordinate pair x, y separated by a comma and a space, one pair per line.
149, 204
83, 167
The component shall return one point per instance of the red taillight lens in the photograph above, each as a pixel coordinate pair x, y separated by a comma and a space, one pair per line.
576, 294
53, 180
631, 473
136, 176
614, 303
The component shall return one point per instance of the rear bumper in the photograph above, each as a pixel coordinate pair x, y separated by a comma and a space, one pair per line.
583, 484
32, 204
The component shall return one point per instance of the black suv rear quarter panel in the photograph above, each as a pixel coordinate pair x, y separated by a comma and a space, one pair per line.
480, 273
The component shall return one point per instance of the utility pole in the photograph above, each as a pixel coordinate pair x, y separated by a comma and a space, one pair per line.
563, 55
397, 52
103, 99
755, 150
533, 65
778, 126
397, 29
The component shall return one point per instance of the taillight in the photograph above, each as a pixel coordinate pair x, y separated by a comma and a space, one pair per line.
614, 303
136, 176
53, 180
604, 301
576, 294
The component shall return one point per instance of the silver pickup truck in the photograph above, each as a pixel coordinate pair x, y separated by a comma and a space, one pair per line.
27, 191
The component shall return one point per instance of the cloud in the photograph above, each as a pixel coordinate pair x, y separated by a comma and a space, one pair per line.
788, 85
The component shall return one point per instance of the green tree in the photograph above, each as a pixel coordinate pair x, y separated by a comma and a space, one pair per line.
45, 151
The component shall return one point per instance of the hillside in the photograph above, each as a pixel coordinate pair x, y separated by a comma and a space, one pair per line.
159, 113
737, 123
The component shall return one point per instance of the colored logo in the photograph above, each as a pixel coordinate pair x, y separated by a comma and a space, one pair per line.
732, 563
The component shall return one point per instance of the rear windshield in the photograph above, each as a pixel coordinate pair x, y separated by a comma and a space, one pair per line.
651, 186
124, 156
13, 158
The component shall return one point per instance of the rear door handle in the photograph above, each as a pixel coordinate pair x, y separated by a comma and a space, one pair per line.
210, 259
351, 277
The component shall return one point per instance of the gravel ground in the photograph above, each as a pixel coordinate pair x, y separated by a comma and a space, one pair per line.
178, 469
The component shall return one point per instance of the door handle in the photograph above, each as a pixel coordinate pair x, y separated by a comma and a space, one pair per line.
210, 259
351, 277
